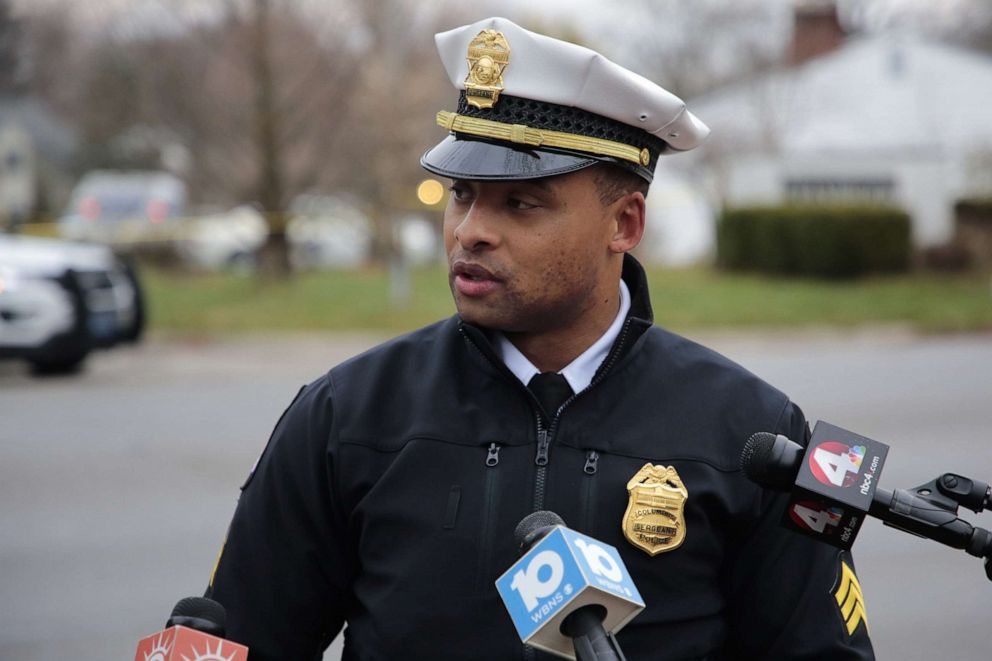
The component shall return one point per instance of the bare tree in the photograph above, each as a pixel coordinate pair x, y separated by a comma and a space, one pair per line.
691, 46
961, 22
275, 252
272, 98
391, 115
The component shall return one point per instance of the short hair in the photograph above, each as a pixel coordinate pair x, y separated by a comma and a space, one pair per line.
613, 182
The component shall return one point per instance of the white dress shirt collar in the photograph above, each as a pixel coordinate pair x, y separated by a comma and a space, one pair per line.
580, 371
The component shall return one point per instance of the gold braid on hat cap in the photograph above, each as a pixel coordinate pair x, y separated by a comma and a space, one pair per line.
526, 135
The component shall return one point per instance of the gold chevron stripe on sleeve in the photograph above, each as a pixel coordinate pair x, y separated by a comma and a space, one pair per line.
525, 135
850, 600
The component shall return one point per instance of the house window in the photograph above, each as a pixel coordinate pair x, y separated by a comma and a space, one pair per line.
881, 190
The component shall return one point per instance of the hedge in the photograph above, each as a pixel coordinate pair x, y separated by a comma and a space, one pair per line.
818, 241
974, 207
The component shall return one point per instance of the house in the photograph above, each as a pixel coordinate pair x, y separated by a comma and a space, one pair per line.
887, 118
36, 151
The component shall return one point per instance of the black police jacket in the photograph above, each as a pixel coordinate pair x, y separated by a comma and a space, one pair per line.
388, 493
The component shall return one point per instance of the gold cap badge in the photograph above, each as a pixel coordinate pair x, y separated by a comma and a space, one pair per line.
488, 56
655, 519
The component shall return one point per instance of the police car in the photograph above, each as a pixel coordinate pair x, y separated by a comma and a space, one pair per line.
59, 300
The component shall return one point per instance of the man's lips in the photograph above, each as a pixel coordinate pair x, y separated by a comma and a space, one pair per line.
472, 271
473, 279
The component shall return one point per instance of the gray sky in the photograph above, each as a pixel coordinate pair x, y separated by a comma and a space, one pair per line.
621, 30
590, 15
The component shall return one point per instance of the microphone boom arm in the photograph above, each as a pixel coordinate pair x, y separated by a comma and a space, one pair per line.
927, 512
967, 492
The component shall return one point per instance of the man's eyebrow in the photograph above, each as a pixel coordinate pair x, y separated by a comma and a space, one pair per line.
541, 183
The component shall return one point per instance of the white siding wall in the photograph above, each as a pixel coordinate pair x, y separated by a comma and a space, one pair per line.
924, 185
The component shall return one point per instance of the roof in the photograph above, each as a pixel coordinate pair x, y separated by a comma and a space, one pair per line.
873, 94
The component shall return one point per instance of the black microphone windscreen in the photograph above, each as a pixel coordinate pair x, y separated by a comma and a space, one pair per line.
756, 456
772, 461
525, 531
200, 608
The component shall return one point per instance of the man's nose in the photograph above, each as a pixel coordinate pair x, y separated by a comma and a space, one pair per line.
478, 228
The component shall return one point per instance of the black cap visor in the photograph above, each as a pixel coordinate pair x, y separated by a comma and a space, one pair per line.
458, 157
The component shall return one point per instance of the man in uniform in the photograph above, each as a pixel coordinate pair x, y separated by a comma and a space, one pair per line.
387, 496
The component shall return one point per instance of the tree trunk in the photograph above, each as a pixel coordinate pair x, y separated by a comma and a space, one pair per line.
273, 258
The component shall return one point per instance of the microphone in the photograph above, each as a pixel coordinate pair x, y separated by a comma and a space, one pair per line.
195, 630
835, 484
568, 593
832, 481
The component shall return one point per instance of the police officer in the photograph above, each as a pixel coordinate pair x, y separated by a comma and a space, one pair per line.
387, 495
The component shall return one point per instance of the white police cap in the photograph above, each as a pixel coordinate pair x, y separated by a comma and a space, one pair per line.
533, 106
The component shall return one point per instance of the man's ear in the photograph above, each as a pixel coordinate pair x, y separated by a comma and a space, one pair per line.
629, 214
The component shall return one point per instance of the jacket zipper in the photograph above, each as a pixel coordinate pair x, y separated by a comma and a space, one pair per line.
492, 459
541, 461
592, 460
544, 438
489, 527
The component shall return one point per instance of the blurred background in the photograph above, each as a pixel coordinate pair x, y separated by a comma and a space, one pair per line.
205, 204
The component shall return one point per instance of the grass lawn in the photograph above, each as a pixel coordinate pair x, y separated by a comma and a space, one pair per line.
683, 299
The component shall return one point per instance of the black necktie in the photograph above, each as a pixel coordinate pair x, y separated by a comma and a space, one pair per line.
551, 389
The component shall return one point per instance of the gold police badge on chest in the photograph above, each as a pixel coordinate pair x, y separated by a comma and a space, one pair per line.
655, 518
488, 56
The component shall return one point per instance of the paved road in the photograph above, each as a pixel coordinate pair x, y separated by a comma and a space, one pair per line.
116, 485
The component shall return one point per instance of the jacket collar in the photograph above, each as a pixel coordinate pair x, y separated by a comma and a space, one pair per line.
637, 282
